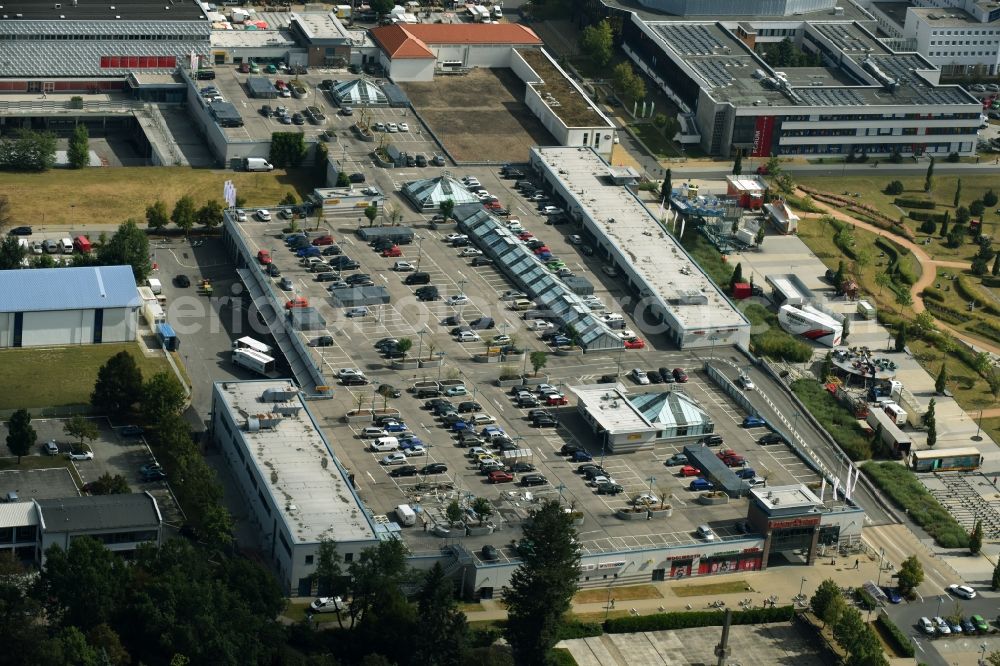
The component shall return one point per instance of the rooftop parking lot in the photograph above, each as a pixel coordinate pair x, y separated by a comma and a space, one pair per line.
350, 344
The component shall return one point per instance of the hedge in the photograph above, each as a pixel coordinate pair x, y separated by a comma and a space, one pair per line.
970, 292
571, 629
834, 417
900, 641
933, 293
987, 329
906, 491
686, 620
921, 216
946, 314
864, 599
907, 202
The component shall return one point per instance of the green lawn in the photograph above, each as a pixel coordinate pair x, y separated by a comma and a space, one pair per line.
729, 587
655, 141
61, 376
707, 256
78, 198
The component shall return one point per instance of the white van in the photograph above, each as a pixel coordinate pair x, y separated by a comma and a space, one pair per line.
406, 515
154, 285
36, 247
67, 245
258, 164
385, 444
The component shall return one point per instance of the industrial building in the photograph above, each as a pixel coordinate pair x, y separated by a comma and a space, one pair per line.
624, 423
863, 98
297, 493
674, 294
68, 306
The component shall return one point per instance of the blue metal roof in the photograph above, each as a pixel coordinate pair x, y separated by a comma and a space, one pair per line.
92, 287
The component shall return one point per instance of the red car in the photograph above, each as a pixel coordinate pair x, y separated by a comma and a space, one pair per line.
323, 240
264, 257
634, 343
493, 205
680, 376
556, 400
687, 470
734, 461
525, 235
543, 249
297, 302
393, 251
499, 476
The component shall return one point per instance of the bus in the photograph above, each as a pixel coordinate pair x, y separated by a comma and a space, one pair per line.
250, 343
962, 459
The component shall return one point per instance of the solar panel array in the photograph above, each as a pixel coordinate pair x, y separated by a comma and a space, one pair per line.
76, 58
926, 95
844, 36
830, 97
690, 39
106, 29
719, 71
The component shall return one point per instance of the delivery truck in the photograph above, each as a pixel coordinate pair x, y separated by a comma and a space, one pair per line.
254, 361
250, 343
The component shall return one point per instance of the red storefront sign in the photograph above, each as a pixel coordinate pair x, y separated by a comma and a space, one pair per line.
794, 522
762, 134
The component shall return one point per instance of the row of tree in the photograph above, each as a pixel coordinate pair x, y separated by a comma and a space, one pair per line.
185, 214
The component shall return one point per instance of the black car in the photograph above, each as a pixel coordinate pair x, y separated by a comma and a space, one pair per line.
527, 401
21, 231
451, 320
544, 422
469, 406
428, 295
357, 177
512, 174
386, 342
711, 440
533, 480
327, 277
405, 470
609, 488
390, 389
536, 413
482, 261
490, 553
584, 468
427, 393
182, 281
431, 404
594, 472
358, 277
331, 250
354, 381
273, 270
521, 467
340, 260
421, 160
771, 438
654, 377
349, 265
324, 341
434, 468
460, 242
266, 111
607, 379
569, 449
666, 376
298, 119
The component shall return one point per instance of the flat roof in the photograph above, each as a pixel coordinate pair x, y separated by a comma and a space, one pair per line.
567, 101
654, 255
99, 512
610, 408
320, 25
895, 10
784, 497
251, 39
132, 10
951, 17
729, 71
296, 464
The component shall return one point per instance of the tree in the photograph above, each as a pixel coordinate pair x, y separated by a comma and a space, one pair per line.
371, 212
667, 187
84, 585
962, 215
210, 215
11, 253
81, 428
157, 217
894, 187
550, 563
976, 538
27, 150
538, 360
403, 346
904, 299
454, 512
977, 208
942, 380
78, 152
883, 280
343, 180
162, 397
758, 239
5, 216
943, 231
184, 213
374, 578
596, 42
626, 83
110, 485
382, 7
784, 182
827, 591
839, 276
21, 436
737, 276
911, 574
289, 199
826, 367
289, 148
738, 163
901, 337
834, 610
118, 385
990, 198
930, 421
929, 178
444, 631
129, 245
846, 326
482, 508
447, 207
849, 628
958, 194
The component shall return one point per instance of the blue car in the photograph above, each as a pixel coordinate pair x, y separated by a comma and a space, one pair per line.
459, 426
753, 421
581, 456
409, 441
701, 484
490, 431
893, 595
308, 252
561, 341
394, 427
746, 473
544, 256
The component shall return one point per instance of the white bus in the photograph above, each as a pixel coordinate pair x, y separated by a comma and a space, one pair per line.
250, 343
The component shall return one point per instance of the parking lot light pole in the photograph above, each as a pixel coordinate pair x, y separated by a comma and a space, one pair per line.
982, 653
940, 601
881, 557
420, 252
420, 346
802, 585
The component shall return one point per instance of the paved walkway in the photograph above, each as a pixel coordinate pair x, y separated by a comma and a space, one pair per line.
928, 266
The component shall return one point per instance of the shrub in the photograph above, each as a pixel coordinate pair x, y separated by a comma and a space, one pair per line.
908, 202
946, 314
953, 157
865, 600
933, 294
894, 187
571, 629
921, 216
928, 227
906, 491
686, 620
970, 292
900, 642
834, 417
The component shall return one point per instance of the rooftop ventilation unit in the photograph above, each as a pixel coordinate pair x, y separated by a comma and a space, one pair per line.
259, 422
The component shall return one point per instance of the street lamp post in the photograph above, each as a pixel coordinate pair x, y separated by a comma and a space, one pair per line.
802, 585
940, 601
419, 250
982, 653
881, 557
420, 346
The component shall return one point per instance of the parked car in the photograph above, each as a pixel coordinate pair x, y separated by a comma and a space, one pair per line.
676, 459
963, 591
499, 476
639, 377
753, 421
771, 438
701, 484
327, 605
80, 455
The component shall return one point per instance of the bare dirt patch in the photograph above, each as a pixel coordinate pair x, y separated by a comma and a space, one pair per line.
479, 116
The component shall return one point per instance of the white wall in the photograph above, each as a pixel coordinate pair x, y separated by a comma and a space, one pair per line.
489, 56
412, 69
120, 325
58, 327
6, 328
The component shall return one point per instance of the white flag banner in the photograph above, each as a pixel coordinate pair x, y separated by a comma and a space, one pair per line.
194, 60
229, 193
836, 484
857, 474
822, 490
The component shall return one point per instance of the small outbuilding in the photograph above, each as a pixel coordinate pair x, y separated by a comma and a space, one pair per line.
428, 194
261, 88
